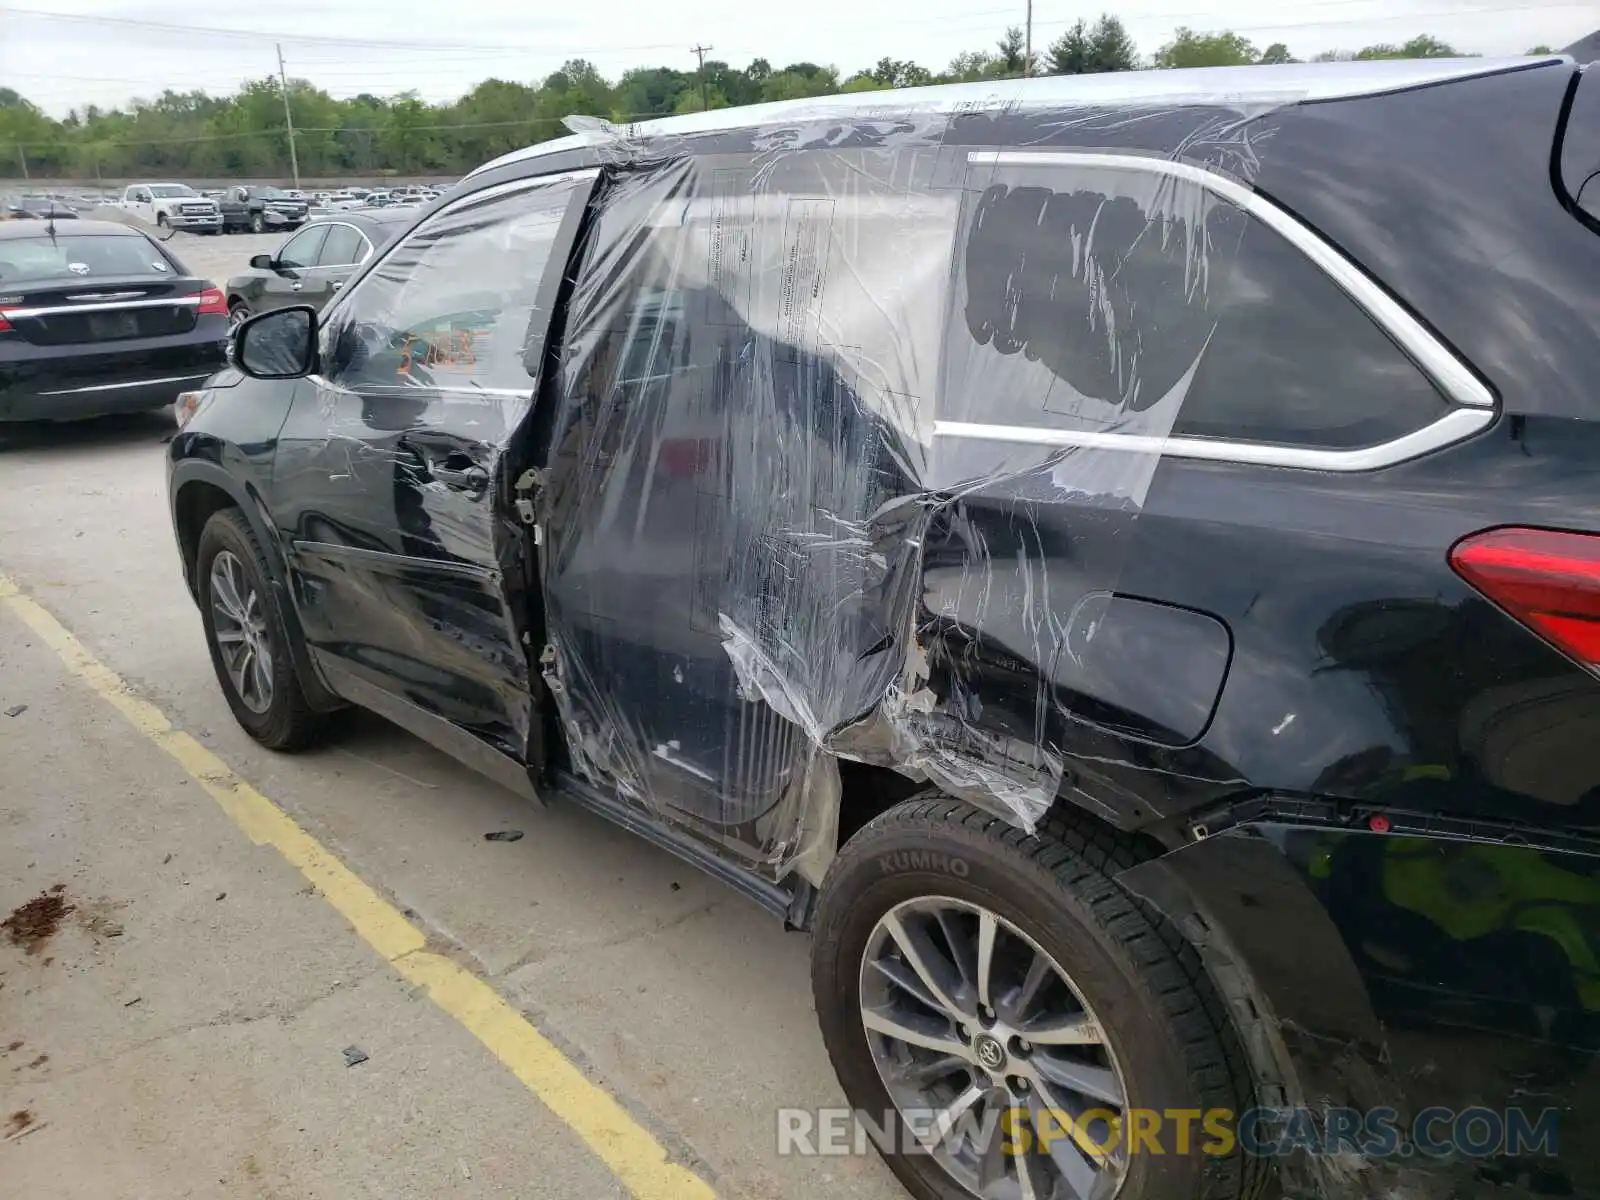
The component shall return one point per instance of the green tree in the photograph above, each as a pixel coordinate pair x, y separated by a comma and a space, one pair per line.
1277, 53
1069, 53
799, 80
1110, 47
1190, 49
1012, 53
1541, 48
971, 66
1422, 46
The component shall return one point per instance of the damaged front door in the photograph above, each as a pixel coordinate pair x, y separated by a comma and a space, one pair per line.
409, 570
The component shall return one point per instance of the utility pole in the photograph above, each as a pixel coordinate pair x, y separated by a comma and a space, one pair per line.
705, 93
288, 116
22, 157
1027, 45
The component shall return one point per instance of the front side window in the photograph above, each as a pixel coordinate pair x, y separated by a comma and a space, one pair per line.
301, 250
1117, 301
461, 303
344, 247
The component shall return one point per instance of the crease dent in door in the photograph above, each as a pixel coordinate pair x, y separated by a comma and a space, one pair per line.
833, 472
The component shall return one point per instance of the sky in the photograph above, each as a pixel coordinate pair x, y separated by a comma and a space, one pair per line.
64, 54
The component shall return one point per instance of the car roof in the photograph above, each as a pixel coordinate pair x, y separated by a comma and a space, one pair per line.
36, 227
1289, 83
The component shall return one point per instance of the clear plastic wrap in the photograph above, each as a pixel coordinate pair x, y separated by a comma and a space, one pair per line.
809, 400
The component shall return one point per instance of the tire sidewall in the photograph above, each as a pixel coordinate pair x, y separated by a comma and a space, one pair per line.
223, 532
1148, 1055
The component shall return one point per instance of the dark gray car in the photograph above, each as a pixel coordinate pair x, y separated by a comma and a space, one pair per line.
311, 267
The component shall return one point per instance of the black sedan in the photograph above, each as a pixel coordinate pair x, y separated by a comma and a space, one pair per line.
97, 318
45, 207
311, 267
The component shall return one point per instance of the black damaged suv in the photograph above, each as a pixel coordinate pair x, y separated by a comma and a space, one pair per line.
1116, 558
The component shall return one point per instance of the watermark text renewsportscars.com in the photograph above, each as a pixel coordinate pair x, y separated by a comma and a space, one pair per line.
1436, 1132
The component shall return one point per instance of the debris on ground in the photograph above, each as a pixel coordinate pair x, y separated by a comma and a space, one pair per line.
131, 1003
96, 920
354, 1056
18, 1121
222, 895
16, 710
14, 1046
504, 835
35, 922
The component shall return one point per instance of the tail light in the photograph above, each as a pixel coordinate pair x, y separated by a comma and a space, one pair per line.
5, 325
1548, 580
213, 303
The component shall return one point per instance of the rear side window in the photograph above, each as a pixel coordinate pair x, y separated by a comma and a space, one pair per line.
1580, 144
46, 260
1119, 301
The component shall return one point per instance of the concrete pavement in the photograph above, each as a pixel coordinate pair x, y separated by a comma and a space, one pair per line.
684, 1002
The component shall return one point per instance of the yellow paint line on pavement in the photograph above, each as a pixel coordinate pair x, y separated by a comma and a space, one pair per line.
629, 1150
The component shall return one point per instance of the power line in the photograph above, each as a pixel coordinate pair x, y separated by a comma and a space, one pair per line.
434, 48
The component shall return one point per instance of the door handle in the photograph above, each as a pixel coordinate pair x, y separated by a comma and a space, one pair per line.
472, 479
336, 284
296, 286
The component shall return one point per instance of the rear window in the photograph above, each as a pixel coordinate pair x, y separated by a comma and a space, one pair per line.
45, 259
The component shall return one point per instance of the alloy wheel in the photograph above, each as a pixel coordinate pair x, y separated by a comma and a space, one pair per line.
237, 316
991, 1055
239, 624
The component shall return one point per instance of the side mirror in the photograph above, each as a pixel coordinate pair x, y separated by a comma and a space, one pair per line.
261, 262
281, 344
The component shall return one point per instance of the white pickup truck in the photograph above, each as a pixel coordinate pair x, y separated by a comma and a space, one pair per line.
172, 206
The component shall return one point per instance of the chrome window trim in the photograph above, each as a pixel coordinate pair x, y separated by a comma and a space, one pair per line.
1456, 425
57, 309
1449, 374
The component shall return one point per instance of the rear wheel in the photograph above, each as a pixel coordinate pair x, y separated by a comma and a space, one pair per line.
1003, 1014
257, 223
248, 637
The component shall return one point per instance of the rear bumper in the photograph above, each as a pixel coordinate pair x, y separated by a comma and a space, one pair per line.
66, 383
72, 402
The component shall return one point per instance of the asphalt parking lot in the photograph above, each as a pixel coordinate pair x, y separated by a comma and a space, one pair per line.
194, 1003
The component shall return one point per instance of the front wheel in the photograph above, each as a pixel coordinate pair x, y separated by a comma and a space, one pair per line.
1001, 1014
161, 221
248, 637
238, 314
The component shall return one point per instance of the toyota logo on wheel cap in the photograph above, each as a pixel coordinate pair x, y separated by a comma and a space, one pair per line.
990, 1053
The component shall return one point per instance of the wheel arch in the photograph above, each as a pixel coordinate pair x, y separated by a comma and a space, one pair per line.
202, 489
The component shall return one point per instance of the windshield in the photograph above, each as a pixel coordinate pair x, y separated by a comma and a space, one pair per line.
45, 259
168, 190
